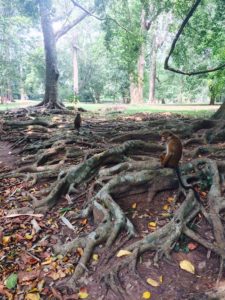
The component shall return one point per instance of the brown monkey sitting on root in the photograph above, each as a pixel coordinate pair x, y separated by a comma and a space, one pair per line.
77, 122
171, 158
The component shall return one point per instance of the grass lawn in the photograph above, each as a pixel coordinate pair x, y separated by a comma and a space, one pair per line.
186, 109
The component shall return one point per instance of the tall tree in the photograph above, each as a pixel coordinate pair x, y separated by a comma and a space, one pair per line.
51, 69
50, 39
48, 14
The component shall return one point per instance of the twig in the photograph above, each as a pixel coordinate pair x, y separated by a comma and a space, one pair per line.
21, 215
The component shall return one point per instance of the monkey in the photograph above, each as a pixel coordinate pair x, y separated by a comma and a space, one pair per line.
171, 158
77, 122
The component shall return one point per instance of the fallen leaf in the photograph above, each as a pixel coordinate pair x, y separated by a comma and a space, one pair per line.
95, 257
24, 276
40, 285
165, 207
32, 296
84, 221
192, 246
152, 224
11, 281
6, 240
123, 253
170, 199
160, 279
152, 282
187, 266
83, 295
146, 295
47, 261
67, 222
3, 291
165, 215
28, 236
203, 194
80, 251
57, 275
134, 205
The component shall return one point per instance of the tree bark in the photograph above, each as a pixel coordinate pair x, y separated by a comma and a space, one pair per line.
136, 88
51, 72
212, 100
220, 113
75, 67
212, 93
152, 77
23, 94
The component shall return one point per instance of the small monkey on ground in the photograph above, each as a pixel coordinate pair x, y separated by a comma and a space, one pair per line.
77, 122
171, 158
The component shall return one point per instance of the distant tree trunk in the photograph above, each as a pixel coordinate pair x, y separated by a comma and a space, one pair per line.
136, 87
97, 97
152, 77
134, 93
75, 67
51, 72
23, 94
212, 94
141, 65
212, 100
159, 36
9, 93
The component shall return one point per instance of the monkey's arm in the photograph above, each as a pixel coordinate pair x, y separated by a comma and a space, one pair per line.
162, 157
166, 159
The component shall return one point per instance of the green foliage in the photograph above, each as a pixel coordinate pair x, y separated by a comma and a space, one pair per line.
15, 47
124, 37
109, 50
202, 43
28, 8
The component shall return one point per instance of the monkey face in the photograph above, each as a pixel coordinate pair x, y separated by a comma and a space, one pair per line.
166, 135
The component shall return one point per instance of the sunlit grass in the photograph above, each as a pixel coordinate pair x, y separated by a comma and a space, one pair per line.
195, 110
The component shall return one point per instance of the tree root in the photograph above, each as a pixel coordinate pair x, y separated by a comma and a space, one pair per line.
163, 240
113, 218
81, 173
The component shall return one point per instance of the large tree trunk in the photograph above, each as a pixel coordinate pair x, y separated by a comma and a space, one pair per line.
52, 73
152, 77
220, 113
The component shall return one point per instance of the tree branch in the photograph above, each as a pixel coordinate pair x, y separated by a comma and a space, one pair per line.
86, 11
184, 23
66, 28
62, 17
98, 18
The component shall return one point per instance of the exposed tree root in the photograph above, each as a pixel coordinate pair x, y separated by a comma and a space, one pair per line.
83, 172
113, 218
111, 171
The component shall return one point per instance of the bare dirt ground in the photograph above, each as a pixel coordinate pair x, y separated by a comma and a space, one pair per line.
33, 158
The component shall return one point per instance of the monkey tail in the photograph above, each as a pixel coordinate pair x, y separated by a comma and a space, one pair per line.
187, 187
178, 172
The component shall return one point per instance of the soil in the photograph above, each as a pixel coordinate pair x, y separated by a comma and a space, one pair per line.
176, 283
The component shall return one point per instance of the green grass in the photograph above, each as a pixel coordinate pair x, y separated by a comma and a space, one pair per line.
195, 110
17, 104
195, 113
190, 110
